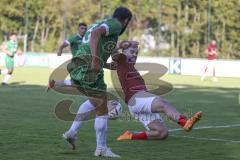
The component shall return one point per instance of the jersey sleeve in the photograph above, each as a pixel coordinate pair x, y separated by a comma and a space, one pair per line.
112, 26
70, 40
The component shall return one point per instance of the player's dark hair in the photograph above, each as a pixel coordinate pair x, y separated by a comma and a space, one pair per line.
122, 13
12, 33
82, 24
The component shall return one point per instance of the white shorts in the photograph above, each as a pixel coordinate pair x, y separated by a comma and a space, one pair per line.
140, 108
211, 64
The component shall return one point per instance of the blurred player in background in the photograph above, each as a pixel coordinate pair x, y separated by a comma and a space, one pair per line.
211, 56
74, 41
87, 72
10, 49
143, 105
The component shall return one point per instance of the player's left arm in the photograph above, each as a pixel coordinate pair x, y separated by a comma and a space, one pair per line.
94, 40
4, 49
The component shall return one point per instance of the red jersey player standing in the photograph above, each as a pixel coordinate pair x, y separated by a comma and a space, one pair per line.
143, 105
211, 56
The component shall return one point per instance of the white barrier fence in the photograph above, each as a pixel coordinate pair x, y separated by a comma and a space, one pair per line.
196, 67
181, 66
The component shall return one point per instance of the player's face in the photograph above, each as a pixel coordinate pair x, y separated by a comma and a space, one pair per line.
124, 25
213, 42
82, 30
13, 38
132, 52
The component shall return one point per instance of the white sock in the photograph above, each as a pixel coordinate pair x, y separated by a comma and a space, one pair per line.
67, 82
83, 111
6, 78
63, 83
101, 128
4, 71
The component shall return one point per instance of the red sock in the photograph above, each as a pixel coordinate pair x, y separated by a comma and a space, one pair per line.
139, 136
182, 120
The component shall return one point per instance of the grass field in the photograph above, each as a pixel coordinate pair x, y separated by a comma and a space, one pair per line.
29, 129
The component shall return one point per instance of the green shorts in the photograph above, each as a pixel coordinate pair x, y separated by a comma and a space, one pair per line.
82, 75
9, 61
88, 79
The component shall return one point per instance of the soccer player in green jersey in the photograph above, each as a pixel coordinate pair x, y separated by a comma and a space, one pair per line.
74, 41
10, 49
98, 44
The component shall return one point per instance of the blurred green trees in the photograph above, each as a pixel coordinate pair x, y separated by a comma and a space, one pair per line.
186, 25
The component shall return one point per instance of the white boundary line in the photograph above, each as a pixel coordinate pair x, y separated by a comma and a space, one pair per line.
207, 127
208, 139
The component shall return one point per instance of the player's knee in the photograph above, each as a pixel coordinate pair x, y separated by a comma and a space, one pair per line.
164, 134
101, 111
100, 107
158, 105
161, 135
10, 71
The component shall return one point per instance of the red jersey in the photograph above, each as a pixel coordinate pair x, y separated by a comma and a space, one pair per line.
212, 52
130, 79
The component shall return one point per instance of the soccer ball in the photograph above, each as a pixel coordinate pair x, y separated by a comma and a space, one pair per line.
114, 109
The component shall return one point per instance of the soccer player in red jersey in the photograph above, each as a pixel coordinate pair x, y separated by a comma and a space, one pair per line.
211, 56
143, 105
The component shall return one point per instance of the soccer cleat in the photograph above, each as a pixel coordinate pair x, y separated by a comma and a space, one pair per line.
70, 138
50, 85
125, 136
192, 121
105, 152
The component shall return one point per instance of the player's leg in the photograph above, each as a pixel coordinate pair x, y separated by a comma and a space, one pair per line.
204, 73
64, 83
145, 107
84, 112
160, 105
140, 108
3, 71
101, 125
7, 77
8, 73
214, 71
156, 130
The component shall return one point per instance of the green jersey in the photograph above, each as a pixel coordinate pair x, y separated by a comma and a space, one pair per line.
74, 41
106, 43
11, 47
82, 74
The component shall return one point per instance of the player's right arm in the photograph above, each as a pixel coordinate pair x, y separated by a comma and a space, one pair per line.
4, 49
65, 44
62, 46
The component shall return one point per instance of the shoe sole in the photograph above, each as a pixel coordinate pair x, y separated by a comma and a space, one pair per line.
190, 126
70, 142
124, 139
